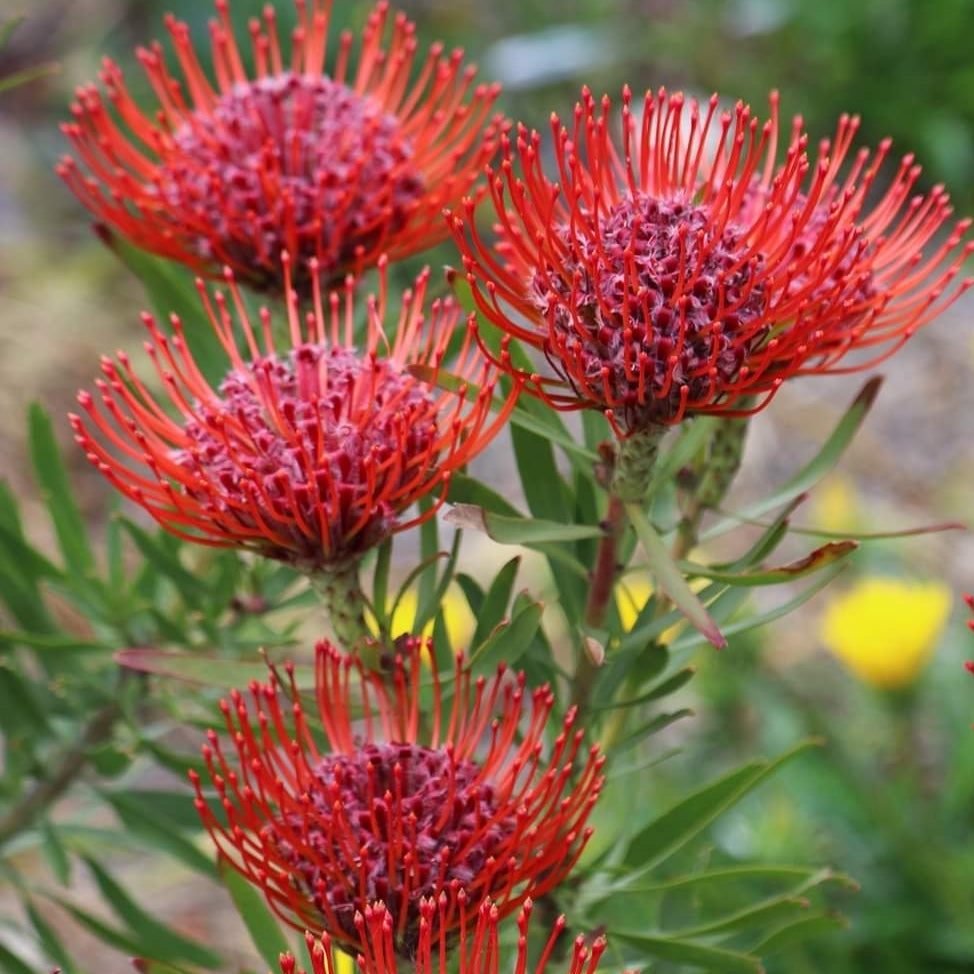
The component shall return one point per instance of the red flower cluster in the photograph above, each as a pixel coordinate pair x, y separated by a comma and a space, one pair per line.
688, 267
341, 166
309, 454
409, 804
478, 946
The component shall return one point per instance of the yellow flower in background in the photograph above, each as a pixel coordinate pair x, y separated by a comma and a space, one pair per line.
835, 505
886, 629
457, 617
632, 594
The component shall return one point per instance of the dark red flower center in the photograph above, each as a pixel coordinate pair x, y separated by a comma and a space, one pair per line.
310, 450
657, 297
291, 160
404, 822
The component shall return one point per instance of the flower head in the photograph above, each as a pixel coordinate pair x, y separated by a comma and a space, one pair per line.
478, 946
323, 159
685, 266
885, 630
311, 453
456, 805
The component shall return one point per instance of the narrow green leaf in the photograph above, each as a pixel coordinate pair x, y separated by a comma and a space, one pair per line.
697, 955
510, 640
45, 642
55, 950
260, 923
670, 578
517, 530
692, 639
466, 490
10, 963
147, 815
7, 27
496, 601
156, 939
815, 469
543, 485
107, 934
205, 671
662, 689
56, 491
652, 726
165, 559
815, 560
674, 828
29, 561
800, 931
762, 914
55, 853
806, 876
27, 75
171, 289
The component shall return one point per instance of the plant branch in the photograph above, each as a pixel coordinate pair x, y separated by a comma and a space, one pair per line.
46, 792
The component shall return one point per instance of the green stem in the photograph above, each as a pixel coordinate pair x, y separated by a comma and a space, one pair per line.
627, 482
340, 591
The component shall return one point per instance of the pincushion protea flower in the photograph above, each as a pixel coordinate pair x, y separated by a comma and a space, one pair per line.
341, 166
403, 806
311, 453
683, 267
477, 946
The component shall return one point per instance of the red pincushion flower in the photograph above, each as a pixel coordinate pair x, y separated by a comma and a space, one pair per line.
685, 268
309, 454
478, 944
402, 806
342, 166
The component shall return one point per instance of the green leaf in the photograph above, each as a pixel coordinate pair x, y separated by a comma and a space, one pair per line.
162, 553
543, 485
495, 601
652, 726
260, 922
799, 931
670, 579
518, 530
205, 671
663, 689
55, 853
171, 289
510, 640
466, 490
106, 933
7, 27
828, 554
814, 470
146, 814
806, 875
674, 828
28, 74
55, 489
155, 938
10, 963
55, 950
697, 955
692, 639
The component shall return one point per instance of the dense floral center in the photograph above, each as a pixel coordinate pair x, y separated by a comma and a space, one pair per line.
291, 160
405, 821
632, 313
311, 449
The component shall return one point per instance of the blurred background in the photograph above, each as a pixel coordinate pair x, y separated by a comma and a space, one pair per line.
889, 797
